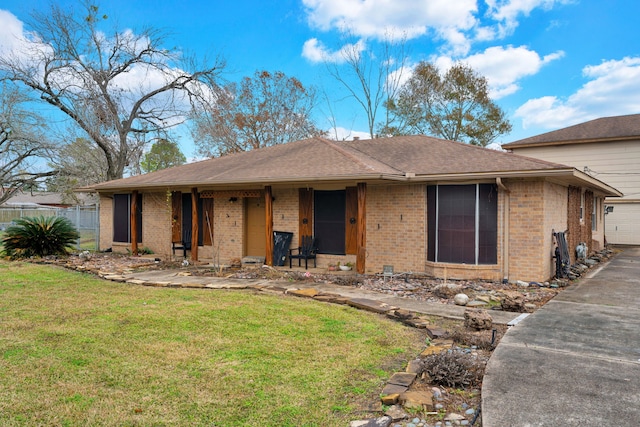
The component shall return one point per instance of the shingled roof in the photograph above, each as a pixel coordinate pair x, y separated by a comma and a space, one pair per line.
419, 158
605, 129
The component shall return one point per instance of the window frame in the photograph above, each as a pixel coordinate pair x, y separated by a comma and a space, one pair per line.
449, 234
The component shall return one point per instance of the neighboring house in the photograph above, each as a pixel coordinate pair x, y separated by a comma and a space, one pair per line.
416, 203
46, 199
607, 149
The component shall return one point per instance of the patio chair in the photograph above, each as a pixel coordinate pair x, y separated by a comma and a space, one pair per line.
184, 245
307, 250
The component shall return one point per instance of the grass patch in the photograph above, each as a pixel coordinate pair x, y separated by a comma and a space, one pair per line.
76, 350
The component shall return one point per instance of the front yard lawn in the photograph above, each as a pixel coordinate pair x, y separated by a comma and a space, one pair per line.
77, 350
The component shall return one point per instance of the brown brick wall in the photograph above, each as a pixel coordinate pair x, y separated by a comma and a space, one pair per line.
156, 223
556, 202
526, 230
396, 227
106, 222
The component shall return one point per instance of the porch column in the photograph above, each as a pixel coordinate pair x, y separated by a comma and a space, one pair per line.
361, 238
194, 224
133, 221
268, 207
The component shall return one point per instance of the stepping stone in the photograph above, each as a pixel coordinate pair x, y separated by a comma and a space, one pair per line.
309, 292
370, 305
393, 389
435, 333
414, 366
402, 378
332, 298
474, 304
421, 400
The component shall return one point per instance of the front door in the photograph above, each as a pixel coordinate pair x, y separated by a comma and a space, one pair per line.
255, 227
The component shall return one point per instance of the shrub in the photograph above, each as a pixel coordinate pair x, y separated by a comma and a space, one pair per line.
39, 236
455, 368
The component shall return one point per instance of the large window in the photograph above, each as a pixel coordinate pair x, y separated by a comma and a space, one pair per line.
463, 223
122, 218
329, 221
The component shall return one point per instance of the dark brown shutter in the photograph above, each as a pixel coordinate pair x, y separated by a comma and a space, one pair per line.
351, 221
176, 217
194, 224
305, 227
207, 221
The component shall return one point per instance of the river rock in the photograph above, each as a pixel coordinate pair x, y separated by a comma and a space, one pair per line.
461, 299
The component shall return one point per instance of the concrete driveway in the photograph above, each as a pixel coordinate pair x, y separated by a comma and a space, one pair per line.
575, 361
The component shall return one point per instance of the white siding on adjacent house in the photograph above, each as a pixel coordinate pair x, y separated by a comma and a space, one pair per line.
615, 163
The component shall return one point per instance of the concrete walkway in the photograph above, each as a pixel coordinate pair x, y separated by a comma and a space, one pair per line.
173, 278
575, 361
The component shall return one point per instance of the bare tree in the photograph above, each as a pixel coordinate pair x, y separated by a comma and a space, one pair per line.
263, 110
116, 86
371, 77
23, 142
454, 105
79, 164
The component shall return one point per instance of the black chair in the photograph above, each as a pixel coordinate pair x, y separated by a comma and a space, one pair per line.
307, 250
184, 245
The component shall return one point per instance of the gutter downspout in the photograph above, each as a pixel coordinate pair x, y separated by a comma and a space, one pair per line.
505, 227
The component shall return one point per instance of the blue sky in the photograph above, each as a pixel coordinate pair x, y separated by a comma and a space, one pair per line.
550, 63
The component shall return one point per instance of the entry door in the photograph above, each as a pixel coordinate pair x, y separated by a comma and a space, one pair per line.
255, 227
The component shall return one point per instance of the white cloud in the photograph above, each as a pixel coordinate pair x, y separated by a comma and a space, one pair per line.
457, 23
11, 33
410, 18
507, 12
340, 133
503, 66
613, 89
315, 51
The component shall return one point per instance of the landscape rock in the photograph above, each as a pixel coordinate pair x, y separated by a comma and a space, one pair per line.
461, 299
447, 290
396, 413
374, 422
512, 301
476, 318
453, 417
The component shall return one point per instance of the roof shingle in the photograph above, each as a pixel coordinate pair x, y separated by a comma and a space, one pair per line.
602, 130
321, 159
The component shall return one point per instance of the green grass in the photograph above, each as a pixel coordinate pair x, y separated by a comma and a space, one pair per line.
76, 350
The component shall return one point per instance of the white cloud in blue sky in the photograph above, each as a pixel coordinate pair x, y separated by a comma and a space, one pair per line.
611, 89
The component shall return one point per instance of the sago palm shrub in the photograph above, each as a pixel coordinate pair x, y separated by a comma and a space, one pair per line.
39, 236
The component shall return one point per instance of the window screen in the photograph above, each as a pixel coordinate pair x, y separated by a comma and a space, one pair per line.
329, 221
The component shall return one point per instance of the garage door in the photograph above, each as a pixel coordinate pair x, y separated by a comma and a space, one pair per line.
622, 226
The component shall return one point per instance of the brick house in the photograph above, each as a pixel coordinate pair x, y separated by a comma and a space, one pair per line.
607, 148
417, 203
